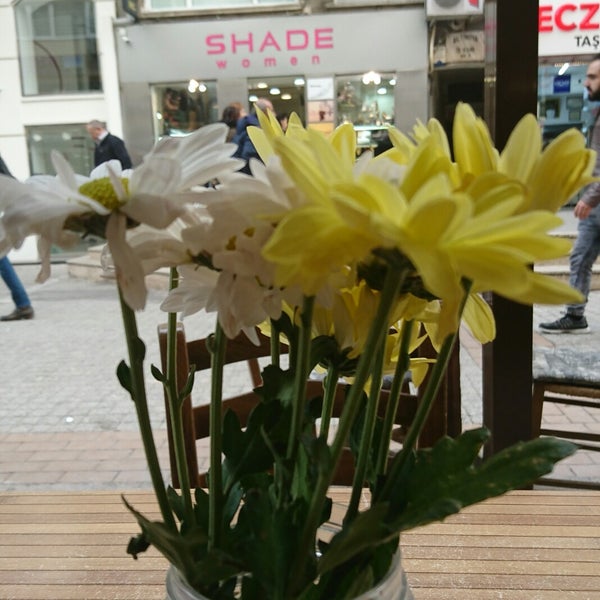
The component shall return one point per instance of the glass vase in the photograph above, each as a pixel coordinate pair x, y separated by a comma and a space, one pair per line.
394, 586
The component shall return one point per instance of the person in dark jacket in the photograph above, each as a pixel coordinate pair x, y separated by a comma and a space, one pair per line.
23, 308
108, 146
246, 149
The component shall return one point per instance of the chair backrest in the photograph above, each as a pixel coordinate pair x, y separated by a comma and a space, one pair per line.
196, 417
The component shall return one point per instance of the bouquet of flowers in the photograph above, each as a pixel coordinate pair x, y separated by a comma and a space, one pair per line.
352, 263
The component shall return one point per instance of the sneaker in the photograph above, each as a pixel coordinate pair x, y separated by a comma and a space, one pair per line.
18, 314
566, 324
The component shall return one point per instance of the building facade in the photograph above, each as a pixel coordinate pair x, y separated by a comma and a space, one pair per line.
151, 68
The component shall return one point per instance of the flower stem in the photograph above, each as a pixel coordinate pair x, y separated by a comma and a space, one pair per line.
367, 435
300, 376
215, 482
394, 397
175, 401
275, 342
378, 329
136, 351
433, 384
331, 382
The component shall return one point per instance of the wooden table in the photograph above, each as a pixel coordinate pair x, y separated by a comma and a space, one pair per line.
523, 546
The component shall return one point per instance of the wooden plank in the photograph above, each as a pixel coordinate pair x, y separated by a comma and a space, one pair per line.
496, 553
84, 592
524, 545
119, 561
503, 581
508, 564
459, 594
437, 529
450, 540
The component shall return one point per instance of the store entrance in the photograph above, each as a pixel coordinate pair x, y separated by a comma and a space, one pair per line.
450, 85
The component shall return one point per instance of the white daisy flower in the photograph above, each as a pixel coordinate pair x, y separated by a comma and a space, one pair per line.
111, 200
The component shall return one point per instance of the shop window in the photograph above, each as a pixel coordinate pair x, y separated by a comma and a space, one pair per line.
285, 93
562, 99
57, 46
72, 141
172, 5
366, 99
75, 144
181, 108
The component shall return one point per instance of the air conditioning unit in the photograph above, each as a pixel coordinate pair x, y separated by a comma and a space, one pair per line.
450, 9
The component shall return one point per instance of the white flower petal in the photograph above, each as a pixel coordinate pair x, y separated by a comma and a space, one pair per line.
63, 169
130, 275
155, 211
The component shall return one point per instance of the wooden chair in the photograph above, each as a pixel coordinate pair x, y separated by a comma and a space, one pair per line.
568, 380
196, 418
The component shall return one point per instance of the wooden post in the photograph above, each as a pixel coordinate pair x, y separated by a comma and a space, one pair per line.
510, 91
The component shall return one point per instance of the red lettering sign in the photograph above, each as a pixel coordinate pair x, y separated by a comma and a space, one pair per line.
569, 16
289, 40
215, 44
235, 42
559, 17
296, 39
269, 41
324, 38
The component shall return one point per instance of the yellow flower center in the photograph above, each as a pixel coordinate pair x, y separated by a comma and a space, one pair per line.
102, 191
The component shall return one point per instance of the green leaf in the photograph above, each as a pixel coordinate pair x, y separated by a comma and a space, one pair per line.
245, 450
444, 479
124, 377
366, 530
174, 547
189, 384
276, 531
175, 502
157, 374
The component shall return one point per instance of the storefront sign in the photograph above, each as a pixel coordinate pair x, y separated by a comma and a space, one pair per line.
568, 27
308, 44
561, 84
465, 46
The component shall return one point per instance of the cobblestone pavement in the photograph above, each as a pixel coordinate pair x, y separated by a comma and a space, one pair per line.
65, 423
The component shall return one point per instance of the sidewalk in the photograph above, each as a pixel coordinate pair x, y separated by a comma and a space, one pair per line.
66, 424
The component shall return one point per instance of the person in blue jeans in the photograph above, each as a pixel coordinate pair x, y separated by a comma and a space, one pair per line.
23, 308
587, 245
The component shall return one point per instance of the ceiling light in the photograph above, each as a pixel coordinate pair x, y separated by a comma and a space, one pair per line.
202, 88
286, 96
274, 91
252, 98
382, 91
393, 81
299, 81
192, 86
261, 85
563, 69
371, 77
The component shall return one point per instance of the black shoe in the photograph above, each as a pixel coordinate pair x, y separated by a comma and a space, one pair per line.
566, 324
18, 314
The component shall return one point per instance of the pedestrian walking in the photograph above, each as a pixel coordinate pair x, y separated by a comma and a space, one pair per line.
23, 308
108, 146
246, 149
587, 245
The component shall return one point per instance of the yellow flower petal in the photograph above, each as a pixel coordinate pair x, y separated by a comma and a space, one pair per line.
473, 149
479, 318
522, 149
